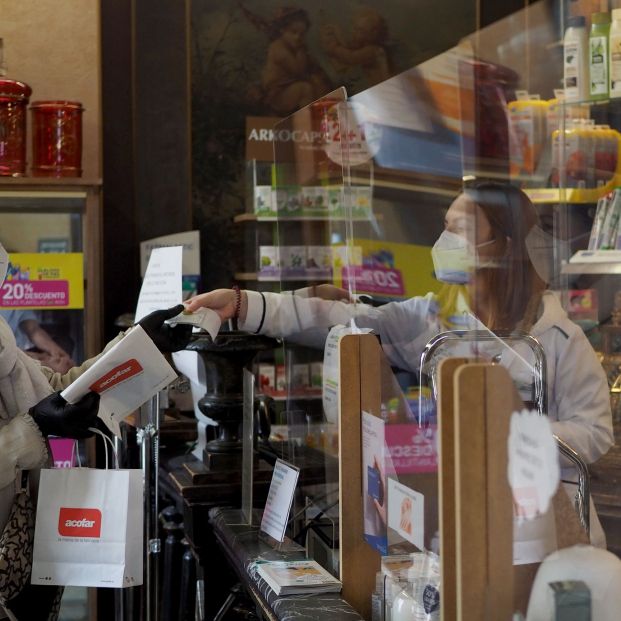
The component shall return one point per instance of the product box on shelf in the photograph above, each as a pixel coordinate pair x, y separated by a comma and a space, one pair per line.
300, 380
288, 201
281, 379
269, 260
316, 375
264, 201
319, 259
314, 201
267, 378
342, 255
292, 260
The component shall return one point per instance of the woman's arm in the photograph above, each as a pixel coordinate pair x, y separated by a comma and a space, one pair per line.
404, 327
583, 399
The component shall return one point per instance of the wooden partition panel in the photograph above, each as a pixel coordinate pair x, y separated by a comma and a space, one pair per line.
482, 408
360, 388
446, 484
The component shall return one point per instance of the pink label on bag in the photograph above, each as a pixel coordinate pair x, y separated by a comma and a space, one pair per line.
62, 452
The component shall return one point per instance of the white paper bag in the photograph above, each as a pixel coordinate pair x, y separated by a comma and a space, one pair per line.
89, 528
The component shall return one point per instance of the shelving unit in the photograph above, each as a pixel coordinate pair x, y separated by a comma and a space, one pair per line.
21, 197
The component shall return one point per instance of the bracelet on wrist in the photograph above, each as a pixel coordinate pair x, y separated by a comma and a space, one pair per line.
237, 305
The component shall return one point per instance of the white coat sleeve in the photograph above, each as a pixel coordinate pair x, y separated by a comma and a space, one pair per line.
21, 446
403, 327
582, 399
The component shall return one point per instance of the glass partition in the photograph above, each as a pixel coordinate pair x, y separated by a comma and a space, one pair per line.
464, 208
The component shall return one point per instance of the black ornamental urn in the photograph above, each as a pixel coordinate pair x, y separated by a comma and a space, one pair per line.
225, 359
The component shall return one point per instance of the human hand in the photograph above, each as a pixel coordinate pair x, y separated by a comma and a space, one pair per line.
166, 338
54, 416
222, 301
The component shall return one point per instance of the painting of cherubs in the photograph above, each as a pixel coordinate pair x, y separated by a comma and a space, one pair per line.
365, 48
291, 78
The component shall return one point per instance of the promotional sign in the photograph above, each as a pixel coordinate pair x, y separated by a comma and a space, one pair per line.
374, 482
406, 513
413, 448
45, 281
279, 500
389, 270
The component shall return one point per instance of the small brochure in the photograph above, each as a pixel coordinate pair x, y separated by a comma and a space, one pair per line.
126, 376
298, 577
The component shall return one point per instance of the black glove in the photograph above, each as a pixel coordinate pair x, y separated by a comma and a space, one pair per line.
166, 338
56, 417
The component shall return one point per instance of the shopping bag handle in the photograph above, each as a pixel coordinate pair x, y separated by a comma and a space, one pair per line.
107, 441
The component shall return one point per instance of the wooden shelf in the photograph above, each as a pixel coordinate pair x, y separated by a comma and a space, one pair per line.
251, 217
256, 276
52, 182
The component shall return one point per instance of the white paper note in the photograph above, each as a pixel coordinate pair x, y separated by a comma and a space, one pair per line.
126, 376
279, 500
533, 468
161, 287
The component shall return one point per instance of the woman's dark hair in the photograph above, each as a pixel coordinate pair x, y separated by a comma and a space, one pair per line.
514, 282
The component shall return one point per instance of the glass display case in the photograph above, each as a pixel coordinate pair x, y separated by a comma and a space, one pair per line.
52, 294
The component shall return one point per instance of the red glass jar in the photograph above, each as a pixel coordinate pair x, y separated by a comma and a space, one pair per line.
13, 102
56, 138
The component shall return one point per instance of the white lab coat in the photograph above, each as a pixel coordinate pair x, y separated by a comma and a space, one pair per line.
578, 396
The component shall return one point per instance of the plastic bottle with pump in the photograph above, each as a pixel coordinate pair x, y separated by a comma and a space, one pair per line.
420, 599
615, 54
575, 60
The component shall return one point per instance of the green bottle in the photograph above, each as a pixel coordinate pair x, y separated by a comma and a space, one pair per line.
598, 56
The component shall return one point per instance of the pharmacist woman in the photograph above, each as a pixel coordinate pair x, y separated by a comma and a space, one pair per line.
489, 249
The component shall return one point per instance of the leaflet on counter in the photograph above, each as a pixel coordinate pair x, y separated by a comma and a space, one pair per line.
126, 376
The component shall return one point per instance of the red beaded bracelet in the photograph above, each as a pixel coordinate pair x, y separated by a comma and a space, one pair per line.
237, 305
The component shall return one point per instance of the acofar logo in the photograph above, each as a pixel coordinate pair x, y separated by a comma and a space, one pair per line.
79, 522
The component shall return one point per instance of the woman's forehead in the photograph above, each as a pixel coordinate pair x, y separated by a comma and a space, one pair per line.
462, 206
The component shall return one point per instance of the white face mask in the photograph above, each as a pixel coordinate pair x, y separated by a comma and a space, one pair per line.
455, 258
